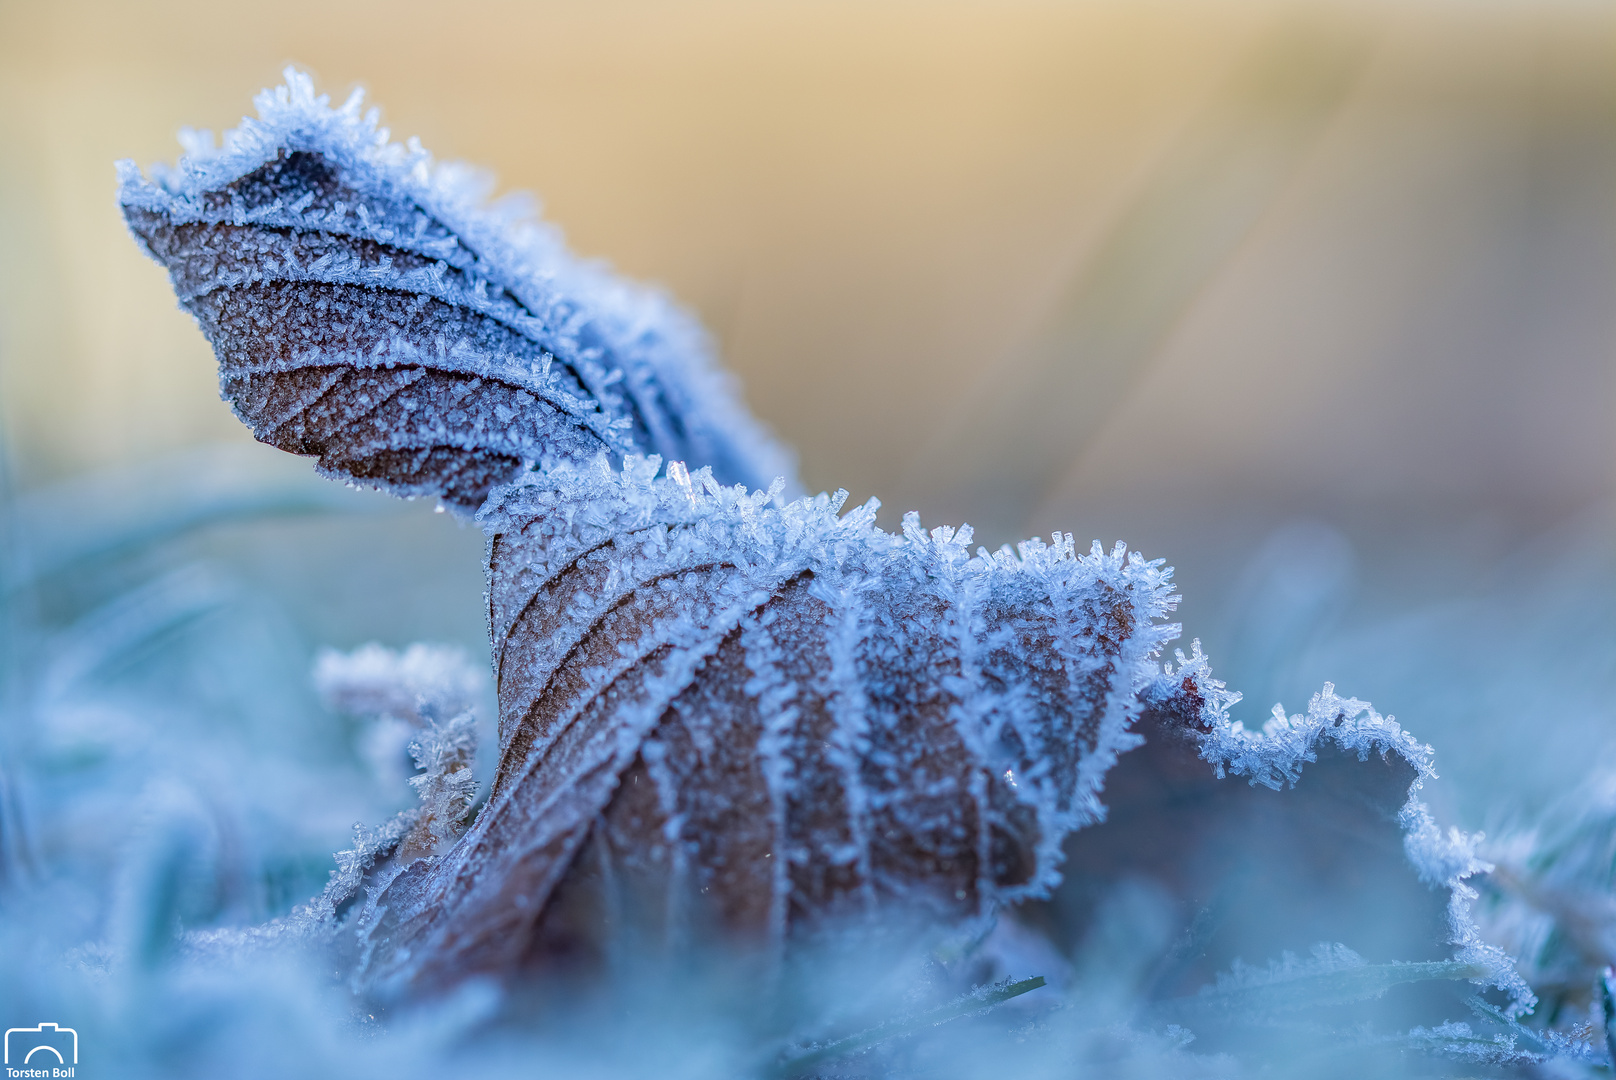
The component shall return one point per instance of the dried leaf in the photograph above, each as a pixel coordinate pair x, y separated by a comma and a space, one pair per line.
366, 310
722, 713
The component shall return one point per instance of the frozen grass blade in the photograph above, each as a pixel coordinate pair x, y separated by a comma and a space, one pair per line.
1287, 992
978, 1001
1607, 1001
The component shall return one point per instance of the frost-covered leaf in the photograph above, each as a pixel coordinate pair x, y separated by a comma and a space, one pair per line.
716, 711
368, 309
772, 716
1326, 841
729, 717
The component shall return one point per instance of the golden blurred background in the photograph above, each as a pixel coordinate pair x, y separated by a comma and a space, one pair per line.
1265, 288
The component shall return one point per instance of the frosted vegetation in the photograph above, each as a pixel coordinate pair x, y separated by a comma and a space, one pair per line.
773, 792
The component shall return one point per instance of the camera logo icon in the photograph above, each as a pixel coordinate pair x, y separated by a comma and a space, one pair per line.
42, 1044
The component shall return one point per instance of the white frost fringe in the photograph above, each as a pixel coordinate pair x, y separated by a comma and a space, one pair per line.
1274, 757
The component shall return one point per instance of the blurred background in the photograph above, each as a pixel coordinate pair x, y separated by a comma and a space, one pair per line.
1315, 301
